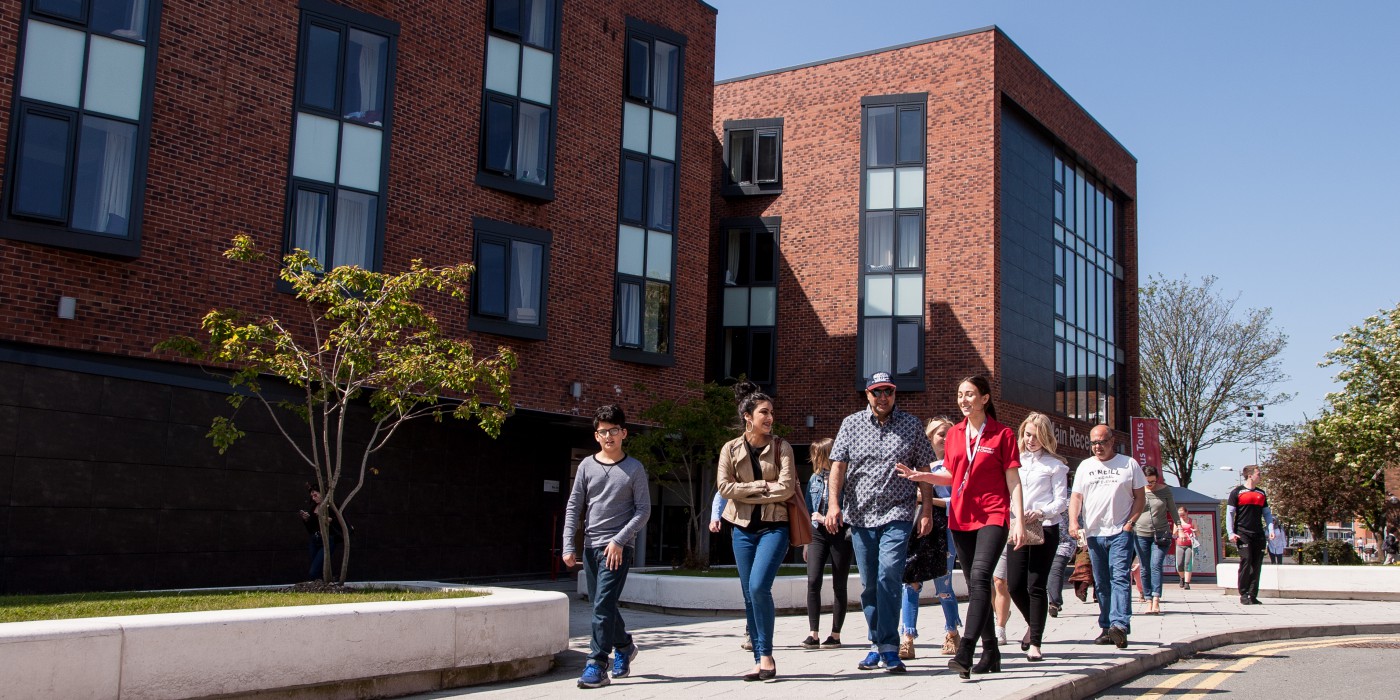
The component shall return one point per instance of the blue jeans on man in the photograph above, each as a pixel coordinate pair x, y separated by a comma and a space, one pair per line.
1153, 557
880, 553
757, 556
605, 588
1112, 558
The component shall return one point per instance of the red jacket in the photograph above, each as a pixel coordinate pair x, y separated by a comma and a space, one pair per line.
984, 498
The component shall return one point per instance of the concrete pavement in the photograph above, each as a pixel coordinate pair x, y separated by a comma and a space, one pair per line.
692, 657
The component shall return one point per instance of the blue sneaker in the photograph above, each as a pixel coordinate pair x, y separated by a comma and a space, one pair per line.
622, 663
593, 676
871, 661
892, 662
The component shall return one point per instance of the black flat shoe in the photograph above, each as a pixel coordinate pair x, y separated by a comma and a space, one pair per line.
763, 674
1026, 641
810, 642
1038, 657
831, 642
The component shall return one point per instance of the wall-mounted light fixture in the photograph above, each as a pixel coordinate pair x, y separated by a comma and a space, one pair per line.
576, 390
67, 308
811, 421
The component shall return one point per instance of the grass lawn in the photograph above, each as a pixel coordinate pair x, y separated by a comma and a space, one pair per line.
728, 572
21, 608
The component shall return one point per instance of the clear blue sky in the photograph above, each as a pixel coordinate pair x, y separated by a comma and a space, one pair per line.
1267, 135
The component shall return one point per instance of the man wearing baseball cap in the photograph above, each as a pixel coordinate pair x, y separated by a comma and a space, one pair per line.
879, 506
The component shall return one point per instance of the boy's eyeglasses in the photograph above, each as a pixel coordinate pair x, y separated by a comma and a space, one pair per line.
610, 432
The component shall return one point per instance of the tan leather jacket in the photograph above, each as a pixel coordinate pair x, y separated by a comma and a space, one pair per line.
738, 482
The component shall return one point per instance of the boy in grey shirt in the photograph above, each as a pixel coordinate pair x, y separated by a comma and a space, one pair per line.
614, 488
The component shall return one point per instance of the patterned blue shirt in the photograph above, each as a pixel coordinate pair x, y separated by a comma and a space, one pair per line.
874, 493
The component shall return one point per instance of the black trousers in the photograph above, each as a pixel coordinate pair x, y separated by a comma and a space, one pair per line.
1252, 551
1027, 574
836, 549
978, 552
1055, 584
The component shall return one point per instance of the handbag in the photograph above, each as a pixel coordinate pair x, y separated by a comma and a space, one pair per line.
1163, 539
1035, 532
799, 520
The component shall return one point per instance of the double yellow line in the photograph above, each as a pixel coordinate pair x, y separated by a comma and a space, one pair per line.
1252, 655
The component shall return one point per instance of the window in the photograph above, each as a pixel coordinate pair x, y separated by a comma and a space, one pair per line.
749, 299
80, 124
753, 156
517, 116
1088, 360
340, 135
647, 192
892, 238
510, 286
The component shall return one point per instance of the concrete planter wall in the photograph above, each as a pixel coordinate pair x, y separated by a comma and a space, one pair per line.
707, 595
353, 650
1313, 581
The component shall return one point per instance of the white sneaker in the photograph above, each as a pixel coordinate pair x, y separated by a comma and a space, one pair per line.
1001, 635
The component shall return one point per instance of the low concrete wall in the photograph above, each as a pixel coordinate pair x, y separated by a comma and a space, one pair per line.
1314, 581
351, 650
704, 595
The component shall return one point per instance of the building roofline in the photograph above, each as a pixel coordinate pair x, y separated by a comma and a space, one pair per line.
860, 54
989, 28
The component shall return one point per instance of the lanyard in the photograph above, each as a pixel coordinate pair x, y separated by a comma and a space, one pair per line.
971, 448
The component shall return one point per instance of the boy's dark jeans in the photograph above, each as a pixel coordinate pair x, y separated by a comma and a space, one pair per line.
604, 589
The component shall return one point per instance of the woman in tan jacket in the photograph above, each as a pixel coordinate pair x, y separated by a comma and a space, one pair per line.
757, 475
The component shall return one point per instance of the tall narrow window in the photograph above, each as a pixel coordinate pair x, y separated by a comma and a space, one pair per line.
81, 123
511, 281
517, 131
749, 299
753, 156
340, 135
648, 188
892, 238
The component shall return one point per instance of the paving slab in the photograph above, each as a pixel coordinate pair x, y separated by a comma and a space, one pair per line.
695, 657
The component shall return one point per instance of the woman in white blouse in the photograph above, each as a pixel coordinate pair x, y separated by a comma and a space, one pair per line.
1045, 484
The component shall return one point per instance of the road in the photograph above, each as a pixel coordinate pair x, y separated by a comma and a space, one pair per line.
1342, 668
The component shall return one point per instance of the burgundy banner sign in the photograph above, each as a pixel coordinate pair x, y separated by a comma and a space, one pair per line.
1147, 446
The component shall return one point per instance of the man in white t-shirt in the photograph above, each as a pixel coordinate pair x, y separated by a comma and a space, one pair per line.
1108, 493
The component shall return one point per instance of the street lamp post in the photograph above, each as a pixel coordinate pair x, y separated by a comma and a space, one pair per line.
1257, 413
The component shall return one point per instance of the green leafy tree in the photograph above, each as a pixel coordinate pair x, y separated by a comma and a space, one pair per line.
365, 339
1200, 362
1362, 421
1308, 486
682, 452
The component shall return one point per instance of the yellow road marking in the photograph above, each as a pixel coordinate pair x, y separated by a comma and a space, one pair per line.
1171, 683
1254, 655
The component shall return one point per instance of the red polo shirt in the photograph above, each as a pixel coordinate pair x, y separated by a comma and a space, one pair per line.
984, 498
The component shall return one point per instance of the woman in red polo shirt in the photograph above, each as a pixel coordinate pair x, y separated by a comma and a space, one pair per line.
981, 459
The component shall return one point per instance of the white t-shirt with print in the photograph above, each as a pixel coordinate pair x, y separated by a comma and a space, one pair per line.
1107, 488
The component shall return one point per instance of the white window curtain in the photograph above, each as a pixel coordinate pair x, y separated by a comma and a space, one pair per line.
879, 351
353, 220
629, 315
731, 268
534, 125
525, 284
311, 224
114, 194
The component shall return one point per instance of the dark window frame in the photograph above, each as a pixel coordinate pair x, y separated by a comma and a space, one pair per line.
328, 15
499, 179
752, 228
914, 380
754, 186
649, 34
48, 231
492, 231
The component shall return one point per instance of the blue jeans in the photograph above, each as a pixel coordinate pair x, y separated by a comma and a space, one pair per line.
757, 557
1152, 557
943, 585
605, 588
880, 554
1112, 558
909, 610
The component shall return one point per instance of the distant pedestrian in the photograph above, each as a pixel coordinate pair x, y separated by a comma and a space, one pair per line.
1108, 491
1187, 543
1153, 535
867, 491
1055, 585
937, 430
826, 547
316, 545
757, 474
1392, 548
612, 487
1278, 542
1247, 518
928, 555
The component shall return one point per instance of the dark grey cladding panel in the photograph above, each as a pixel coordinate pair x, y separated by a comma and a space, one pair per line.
1027, 265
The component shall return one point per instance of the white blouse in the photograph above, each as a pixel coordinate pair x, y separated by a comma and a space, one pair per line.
1045, 486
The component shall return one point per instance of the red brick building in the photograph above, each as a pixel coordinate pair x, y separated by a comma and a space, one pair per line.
935, 210
143, 134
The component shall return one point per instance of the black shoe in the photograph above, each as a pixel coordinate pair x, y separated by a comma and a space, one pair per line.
1246, 600
1026, 641
1054, 610
810, 642
1119, 636
962, 662
1254, 601
831, 642
990, 662
1103, 638
1187, 586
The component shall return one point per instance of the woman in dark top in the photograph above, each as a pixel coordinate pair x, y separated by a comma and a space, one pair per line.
825, 547
982, 463
757, 475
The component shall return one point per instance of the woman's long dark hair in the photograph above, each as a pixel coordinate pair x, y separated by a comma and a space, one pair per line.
984, 388
749, 397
